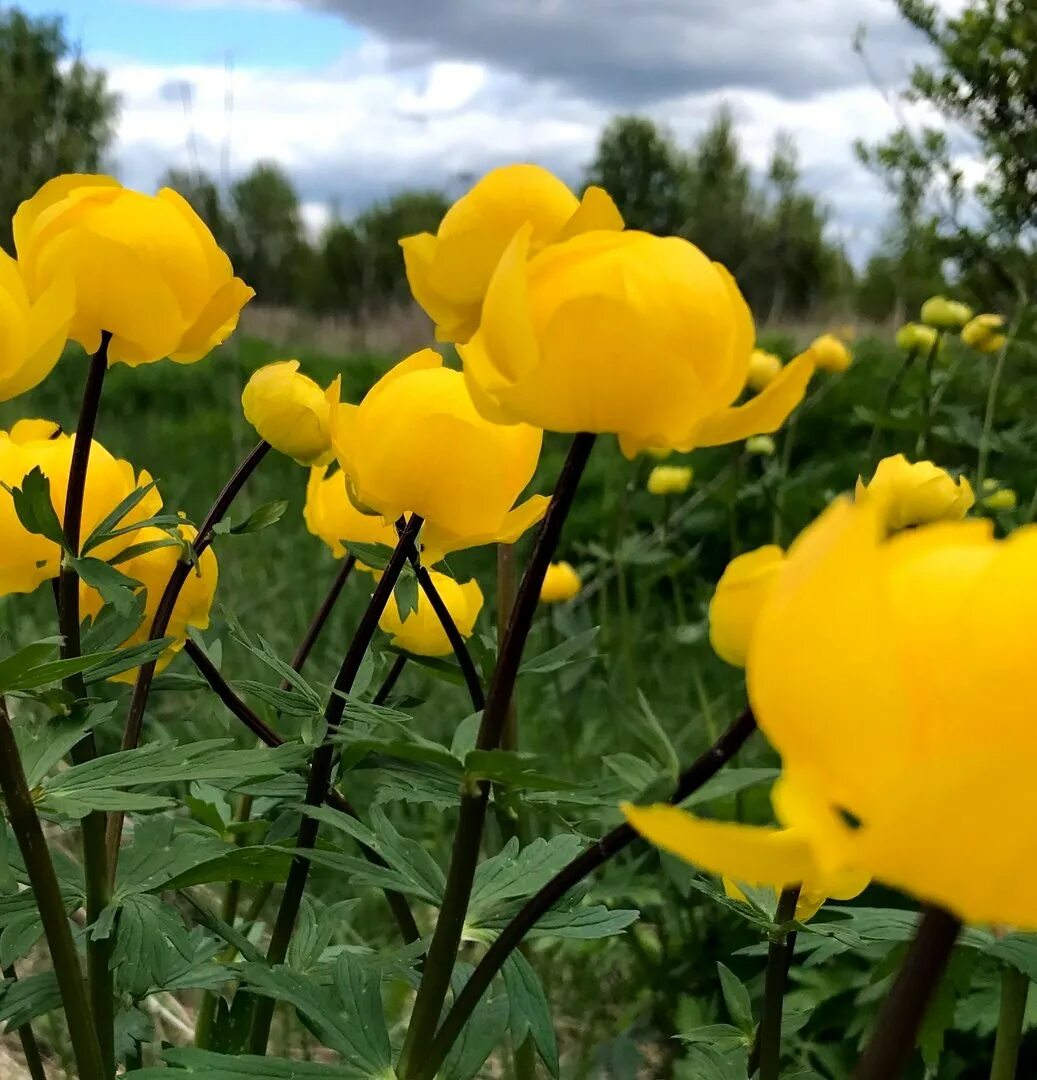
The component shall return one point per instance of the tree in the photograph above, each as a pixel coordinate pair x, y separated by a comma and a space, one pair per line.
638, 165
336, 279
56, 113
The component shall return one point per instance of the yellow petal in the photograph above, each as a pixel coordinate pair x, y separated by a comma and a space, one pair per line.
215, 324
596, 211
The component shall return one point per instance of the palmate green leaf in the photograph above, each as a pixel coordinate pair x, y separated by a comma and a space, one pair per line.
24, 1000
513, 874
263, 651
255, 865
148, 935
206, 1065
401, 781
32, 504
569, 919
529, 1011
46, 742
480, 1036
571, 651
423, 752
115, 587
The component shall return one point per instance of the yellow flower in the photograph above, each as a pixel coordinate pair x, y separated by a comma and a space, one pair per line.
760, 445
417, 444
330, 514
291, 411
917, 338
740, 594
944, 314
984, 332
421, 632
622, 332
32, 334
670, 479
153, 570
27, 559
999, 498
893, 676
764, 368
830, 354
814, 891
561, 583
145, 268
915, 493
449, 272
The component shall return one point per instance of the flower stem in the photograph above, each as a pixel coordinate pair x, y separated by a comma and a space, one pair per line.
225, 692
922, 445
882, 418
989, 413
611, 844
472, 816
1015, 986
302, 654
160, 623
95, 860
766, 1051
319, 781
25, 824
390, 681
901, 1015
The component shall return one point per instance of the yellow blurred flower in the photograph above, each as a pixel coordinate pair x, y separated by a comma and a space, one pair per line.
622, 332
27, 559
417, 444
660, 453
291, 411
329, 513
916, 338
145, 268
670, 479
985, 333
153, 570
915, 493
449, 272
421, 632
740, 594
944, 314
32, 334
561, 583
829, 353
764, 368
760, 446
893, 676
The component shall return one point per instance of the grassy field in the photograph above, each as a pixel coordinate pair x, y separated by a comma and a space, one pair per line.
649, 566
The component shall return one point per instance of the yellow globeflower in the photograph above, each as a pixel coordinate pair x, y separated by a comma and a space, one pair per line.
153, 570
622, 332
915, 493
985, 333
764, 368
330, 514
916, 337
145, 268
417, 444
893, 676
830, 354
421, 632
32, 334
561, 582
740, 594
449, 272
291, 411
670, 479
27, 559
944, 314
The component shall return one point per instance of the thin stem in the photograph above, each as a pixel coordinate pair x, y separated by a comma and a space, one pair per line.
611, 844
922, 445
225, 692
1015, 987
896, 1029
95, 860
160, 623
390, 680
27, 1037
989, 413
25, 824
302, 653
319, 781
472, 815
882, 417
766, 1051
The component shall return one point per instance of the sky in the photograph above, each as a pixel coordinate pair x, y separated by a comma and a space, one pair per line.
360, 98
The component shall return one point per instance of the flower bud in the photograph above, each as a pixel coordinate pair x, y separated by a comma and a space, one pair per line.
670, 479
830, 354
915, 493
760, 446
984, 333
764, 368
291, 411
561, 583
944, 314
998, 498
421, 632
740, 595
917, 338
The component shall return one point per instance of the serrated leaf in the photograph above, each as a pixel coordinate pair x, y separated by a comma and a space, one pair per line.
43, 744
32, 504
110, 628
737, 1000
513, 873
529, 1010
376, 556
406, 594
24, 1000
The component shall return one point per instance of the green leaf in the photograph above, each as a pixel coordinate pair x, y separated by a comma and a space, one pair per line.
359, 991
530, 1012
126, 659
252, 865
261, 518
143, 548
29, 656
571, 651
102, 531
737, 1000
650, 733
406, 594
480, 1036
209, 1066
728, 782
43, 744
149, 934
376, 556
114, 586
32, 504
110, 628
27, 998
514, 874
513, 768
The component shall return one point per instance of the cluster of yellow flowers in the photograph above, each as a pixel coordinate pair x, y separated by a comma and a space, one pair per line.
940, 316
